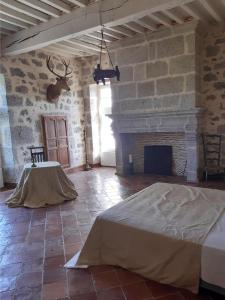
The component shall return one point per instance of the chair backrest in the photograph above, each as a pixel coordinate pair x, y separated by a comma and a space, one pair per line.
37, 154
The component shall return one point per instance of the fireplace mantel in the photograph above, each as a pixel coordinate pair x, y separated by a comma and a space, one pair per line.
188, 122
158, 121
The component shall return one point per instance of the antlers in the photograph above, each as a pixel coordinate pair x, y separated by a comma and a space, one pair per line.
48, 60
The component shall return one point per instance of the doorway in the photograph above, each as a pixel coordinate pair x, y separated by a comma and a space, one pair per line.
107, 141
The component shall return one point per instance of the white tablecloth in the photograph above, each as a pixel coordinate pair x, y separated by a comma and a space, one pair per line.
45, 184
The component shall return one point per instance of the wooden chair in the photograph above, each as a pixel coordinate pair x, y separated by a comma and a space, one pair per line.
212, 156
37, 154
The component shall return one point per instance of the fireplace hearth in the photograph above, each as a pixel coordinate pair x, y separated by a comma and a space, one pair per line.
158, 160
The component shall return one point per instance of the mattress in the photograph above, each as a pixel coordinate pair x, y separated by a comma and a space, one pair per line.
213, 255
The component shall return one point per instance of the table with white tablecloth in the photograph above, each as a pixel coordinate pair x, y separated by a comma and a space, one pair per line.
45, 184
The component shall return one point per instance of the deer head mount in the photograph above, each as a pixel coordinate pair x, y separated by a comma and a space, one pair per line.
54, 90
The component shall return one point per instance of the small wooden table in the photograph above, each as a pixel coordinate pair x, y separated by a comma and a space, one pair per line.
45, 184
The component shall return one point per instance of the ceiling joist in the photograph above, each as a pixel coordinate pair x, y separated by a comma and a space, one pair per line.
13, 21
40, 6
17, 15
82, 21
211, 10
25, 10
59, 5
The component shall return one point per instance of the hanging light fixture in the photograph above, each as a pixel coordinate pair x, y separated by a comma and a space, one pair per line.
100, 74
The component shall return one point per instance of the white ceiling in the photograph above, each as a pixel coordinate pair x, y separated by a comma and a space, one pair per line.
17, 15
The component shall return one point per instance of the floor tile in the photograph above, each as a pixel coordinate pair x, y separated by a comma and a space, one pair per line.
126, 277
105, 280
137, 291
53, 291
37, 242
111, 294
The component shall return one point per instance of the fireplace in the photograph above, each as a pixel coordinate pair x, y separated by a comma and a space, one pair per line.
179, 129
158, 160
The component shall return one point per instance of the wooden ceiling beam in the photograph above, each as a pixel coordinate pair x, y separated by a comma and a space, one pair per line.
9, 26
18, 16
86, 44
51, 11
173, 16
69, 45
80, 3
5, 31
146, 23
123, 30
56, 51
211, 10
161, 19
112, 34
193, 13
59, 5
13, 21
83, 21
135, 27
98, 36
25, 9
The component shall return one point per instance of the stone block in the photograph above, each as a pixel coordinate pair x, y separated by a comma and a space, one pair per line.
182, 64
157, 69
159, 34
220, 85
21, 89
22, 135
17, 72
220, 65
127, 91
151, 51
31, 75
37, 63
132, 55
14, 100
126, 74
166, 102
212, 50
210, 77
190, 82
145, 89
140, 72
190, 42
188, 100
170, 85
3, 70
43, 76
170, 47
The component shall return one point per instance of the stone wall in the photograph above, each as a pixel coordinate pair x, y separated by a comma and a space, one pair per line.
27, 78
6, 150
159, 71
213, 83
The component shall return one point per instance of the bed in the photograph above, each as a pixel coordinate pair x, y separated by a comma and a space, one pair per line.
169, 233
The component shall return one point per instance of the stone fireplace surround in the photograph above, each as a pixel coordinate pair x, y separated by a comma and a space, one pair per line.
188, 122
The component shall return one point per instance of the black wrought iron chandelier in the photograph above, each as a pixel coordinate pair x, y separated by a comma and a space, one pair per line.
100, 74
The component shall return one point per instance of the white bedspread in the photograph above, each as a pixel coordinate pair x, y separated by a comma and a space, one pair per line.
213, 255
155, 223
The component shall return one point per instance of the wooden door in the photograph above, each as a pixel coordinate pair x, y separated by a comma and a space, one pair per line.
62, 140
56, 139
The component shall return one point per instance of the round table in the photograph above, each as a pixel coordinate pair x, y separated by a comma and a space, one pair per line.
45, 184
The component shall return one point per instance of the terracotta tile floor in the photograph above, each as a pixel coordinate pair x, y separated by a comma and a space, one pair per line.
35, 244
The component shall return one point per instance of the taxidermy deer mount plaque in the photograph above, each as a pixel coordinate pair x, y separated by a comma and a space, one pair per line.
54, 90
